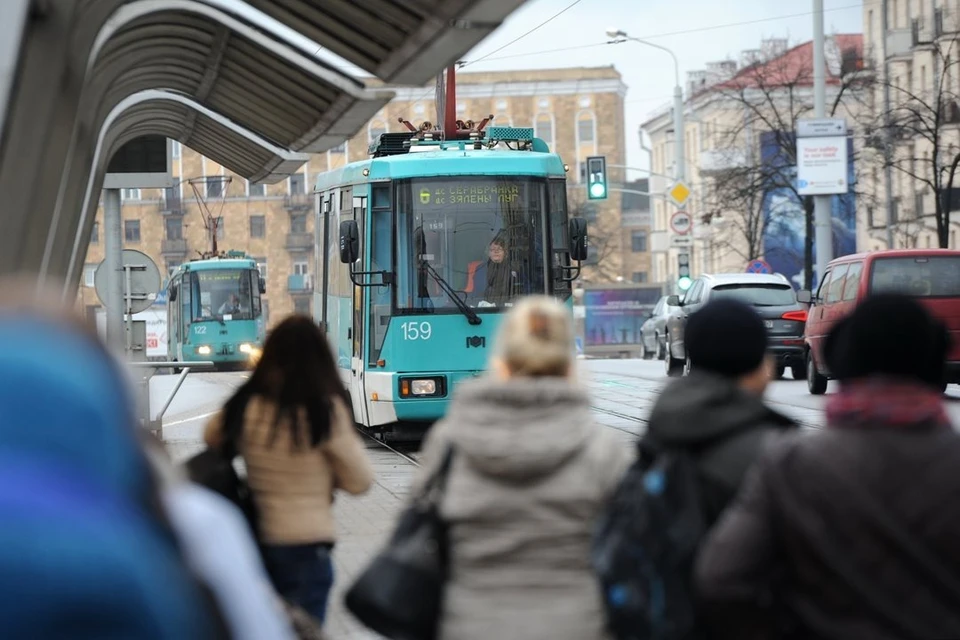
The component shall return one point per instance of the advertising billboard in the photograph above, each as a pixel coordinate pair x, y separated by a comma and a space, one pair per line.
614, 316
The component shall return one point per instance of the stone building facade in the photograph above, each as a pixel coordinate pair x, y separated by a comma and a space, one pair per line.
579, 112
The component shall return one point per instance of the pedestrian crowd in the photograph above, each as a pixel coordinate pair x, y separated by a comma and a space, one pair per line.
526, 520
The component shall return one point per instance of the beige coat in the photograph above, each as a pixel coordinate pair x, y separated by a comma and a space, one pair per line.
293, 488
530, 473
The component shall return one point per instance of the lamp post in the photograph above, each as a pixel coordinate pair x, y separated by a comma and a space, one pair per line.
680, 174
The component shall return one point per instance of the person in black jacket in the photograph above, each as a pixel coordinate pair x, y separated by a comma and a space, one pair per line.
717, 412
851, 532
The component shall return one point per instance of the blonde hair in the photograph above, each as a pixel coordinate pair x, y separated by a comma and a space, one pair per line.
536, 339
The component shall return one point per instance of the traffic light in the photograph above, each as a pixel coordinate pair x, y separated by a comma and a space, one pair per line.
683, 272
597, 178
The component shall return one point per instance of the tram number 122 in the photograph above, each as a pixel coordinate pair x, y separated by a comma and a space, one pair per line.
416, 330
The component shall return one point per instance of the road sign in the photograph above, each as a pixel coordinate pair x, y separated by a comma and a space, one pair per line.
681, 222
681, 241
679, 193
758, 266
822, 166
821, 127
144, 280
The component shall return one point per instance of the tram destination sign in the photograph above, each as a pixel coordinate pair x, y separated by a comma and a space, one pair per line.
467, 193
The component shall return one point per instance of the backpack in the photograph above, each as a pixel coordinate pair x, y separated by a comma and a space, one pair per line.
644, 549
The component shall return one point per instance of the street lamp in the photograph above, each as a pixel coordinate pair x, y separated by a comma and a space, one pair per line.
678, 138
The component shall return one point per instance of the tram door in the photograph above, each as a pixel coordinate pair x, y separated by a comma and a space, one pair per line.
357, 205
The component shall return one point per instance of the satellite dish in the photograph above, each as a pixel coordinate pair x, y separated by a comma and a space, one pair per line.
144, 280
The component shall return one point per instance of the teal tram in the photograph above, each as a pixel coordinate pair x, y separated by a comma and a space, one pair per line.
215, 311
421, 248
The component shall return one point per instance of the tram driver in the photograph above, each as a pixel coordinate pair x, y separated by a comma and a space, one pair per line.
491, 281
230, 306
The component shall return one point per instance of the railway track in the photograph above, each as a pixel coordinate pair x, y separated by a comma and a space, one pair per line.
409, 457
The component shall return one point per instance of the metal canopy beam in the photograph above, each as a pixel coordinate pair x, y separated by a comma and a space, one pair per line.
77, 60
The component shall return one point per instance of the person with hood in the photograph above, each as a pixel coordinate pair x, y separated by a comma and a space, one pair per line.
86, 549
717, 413
530, 472
851, 532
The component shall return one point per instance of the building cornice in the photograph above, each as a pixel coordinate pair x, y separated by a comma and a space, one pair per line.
547, 88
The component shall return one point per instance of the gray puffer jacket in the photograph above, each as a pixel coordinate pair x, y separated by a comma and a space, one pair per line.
530, 473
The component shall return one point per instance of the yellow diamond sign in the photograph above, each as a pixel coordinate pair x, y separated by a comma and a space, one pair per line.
679, 193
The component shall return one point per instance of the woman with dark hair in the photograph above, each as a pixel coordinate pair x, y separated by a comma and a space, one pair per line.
293, 427
491, 280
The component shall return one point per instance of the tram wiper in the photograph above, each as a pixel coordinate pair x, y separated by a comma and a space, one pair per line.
464, 308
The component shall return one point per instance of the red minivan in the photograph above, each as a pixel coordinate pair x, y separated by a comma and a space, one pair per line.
932, 276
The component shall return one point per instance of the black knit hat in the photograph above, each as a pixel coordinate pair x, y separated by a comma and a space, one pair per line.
892, 335
726, 337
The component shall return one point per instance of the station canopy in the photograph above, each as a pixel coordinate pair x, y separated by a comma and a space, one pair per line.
240, 82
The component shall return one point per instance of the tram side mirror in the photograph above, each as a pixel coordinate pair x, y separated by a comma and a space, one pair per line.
172, 295
349, 241
263, 285
578, 239
804, 296
674, 301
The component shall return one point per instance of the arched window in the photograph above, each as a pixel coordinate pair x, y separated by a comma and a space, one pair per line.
543, 127
586, 128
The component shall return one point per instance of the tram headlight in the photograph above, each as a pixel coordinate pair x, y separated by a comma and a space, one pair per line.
204, 350
246, 348
421, 387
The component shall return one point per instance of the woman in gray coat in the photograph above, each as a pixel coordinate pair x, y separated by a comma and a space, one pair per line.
531, 470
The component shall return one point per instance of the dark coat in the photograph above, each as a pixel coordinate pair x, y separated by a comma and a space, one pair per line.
802, 553
722, 425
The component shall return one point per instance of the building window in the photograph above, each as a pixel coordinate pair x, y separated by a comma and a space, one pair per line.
301, 306
585, 128
214, 186
89, 275
376, 129
256, 190
174, 149
639, 277
174, 228
298, 223
130, 194
258, 227
297, 183
131, 230
301, 268
638, 241
95, 233
543, 126
220, 231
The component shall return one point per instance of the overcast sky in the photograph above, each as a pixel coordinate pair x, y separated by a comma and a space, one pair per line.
697, 31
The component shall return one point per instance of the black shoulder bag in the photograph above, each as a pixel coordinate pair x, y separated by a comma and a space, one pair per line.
400, 594
213, 468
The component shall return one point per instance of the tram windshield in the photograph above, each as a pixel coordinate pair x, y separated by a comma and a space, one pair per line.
482, 236
226, 294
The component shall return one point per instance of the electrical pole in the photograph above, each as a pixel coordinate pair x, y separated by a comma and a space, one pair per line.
887, 129
113, 266
823, 216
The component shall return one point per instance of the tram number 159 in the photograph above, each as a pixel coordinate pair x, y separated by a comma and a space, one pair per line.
416, 330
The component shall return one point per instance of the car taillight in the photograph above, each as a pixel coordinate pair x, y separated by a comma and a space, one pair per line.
799, 316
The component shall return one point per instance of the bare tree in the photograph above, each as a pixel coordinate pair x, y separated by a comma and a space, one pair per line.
757, 151
604, 238
918, 135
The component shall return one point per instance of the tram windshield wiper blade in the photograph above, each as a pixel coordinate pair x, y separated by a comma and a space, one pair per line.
464, 308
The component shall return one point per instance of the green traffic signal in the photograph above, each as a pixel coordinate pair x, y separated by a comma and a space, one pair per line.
598, 190
684, 283
597, 178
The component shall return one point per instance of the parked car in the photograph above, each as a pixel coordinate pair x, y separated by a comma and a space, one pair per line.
653, 332
932, 276
771, 295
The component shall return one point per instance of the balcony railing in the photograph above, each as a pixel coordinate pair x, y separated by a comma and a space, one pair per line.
298, 202
300, 283
173, 247
172, 207
299, 241
722, 160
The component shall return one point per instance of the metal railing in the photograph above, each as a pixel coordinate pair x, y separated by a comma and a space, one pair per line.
147, 420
